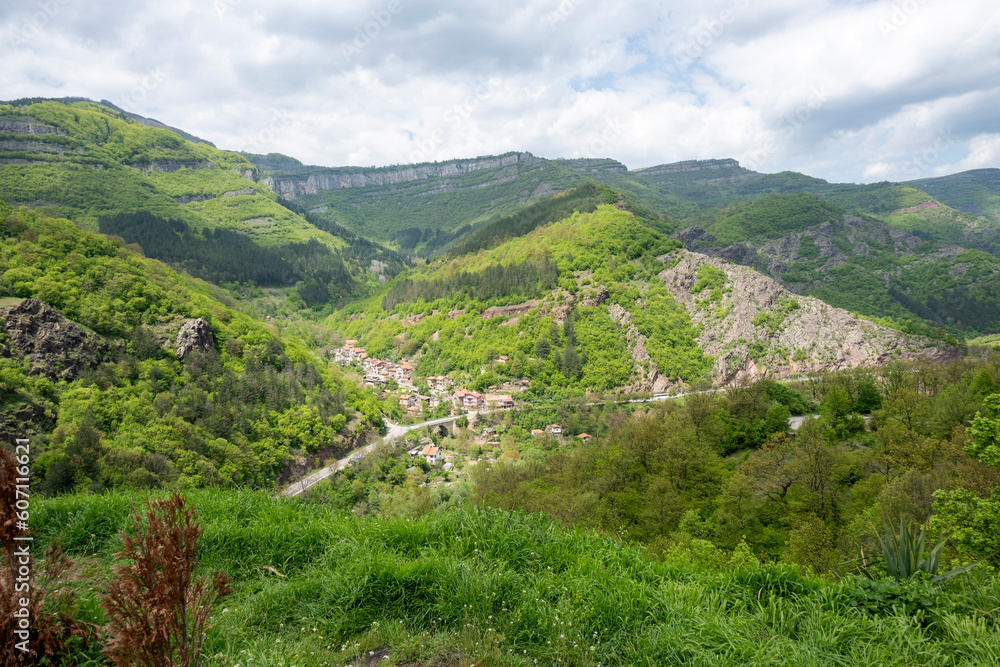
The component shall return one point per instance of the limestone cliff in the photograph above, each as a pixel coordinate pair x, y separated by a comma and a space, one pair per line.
292, 186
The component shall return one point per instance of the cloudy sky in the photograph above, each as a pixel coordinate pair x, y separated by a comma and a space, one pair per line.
847, 90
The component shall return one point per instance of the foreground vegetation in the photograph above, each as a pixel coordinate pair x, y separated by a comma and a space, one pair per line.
463, 586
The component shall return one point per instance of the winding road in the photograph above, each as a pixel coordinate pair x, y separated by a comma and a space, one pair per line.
396, 430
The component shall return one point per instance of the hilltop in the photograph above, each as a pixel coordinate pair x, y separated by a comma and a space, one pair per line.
178, 199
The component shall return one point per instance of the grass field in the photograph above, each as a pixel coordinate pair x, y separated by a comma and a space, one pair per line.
486, 587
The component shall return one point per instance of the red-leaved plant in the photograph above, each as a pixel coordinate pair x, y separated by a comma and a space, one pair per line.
156, 610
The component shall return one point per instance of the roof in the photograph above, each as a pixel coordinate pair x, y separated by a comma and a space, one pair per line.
430, 450
585, 436
537, 431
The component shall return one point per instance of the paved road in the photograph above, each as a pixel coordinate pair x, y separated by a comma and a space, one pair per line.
397, 430
392, 431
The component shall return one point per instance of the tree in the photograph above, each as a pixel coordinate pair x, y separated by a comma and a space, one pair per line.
144, 343
156, 610
542, 348
984, 443
868, 397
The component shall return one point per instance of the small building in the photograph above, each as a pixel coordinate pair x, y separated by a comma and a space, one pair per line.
537, 431
472, 400
501, 401
555, 429
431, 454
584, 437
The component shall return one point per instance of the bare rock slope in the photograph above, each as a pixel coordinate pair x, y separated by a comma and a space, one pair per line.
753, 326
55, 346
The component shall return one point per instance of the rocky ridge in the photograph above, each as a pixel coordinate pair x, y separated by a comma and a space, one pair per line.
292, 186
194, 336
754, 327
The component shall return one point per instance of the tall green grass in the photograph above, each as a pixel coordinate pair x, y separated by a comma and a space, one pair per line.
316, 587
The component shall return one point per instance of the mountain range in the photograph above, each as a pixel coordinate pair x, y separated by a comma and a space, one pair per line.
604, 277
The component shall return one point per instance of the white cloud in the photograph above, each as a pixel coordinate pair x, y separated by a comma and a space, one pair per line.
841, 90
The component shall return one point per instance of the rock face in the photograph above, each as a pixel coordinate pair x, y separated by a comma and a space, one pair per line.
335, 179
689, 165
755, 327
57, 347
28, 125
649, 379
194, 335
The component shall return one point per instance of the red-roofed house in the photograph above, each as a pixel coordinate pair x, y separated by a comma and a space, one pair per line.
499, 401
472, 400
431, 454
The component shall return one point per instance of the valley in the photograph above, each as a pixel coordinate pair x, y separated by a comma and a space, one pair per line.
508, 409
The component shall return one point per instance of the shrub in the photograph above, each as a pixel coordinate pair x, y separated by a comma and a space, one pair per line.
156, 611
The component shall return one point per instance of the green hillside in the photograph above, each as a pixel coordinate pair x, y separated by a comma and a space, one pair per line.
860, 263
419, 208
553, 292
146, 184
976, 192
136, 415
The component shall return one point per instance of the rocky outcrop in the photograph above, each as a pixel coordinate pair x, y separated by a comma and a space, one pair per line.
688, 165
187, 200
336, 179
753, 326
55, 346
194, 335
595, 297
510, 311
173, 165
649, 380
28, 125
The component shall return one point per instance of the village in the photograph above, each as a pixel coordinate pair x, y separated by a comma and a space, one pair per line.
478, 436
441, 389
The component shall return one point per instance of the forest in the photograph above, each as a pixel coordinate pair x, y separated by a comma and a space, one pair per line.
140, 417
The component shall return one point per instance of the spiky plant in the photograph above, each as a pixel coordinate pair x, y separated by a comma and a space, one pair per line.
907, 553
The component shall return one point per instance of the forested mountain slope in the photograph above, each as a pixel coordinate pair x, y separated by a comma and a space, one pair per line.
125, 373
860, 263
186, 203
418, 208
590, 301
